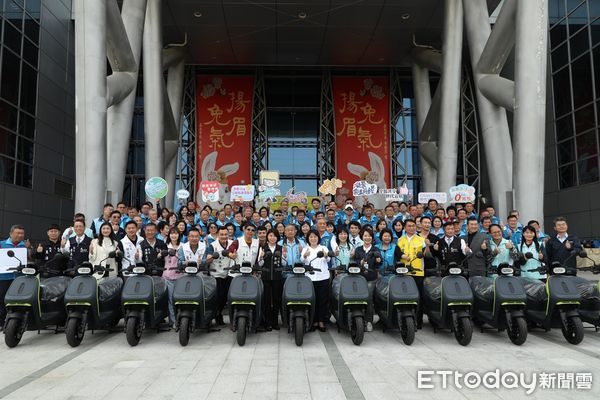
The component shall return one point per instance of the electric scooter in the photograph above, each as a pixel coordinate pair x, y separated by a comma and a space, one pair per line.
298, 301
554, 304
589, 309
245, 301
144, 301
447, 301
350, 299
33, 304
91, 303
500, 302
194, 299
397, 300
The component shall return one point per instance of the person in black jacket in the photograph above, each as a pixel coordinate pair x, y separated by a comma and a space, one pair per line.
562, 247
270, 257
151, 249
78, 246
369, 257
45, 252
450, 248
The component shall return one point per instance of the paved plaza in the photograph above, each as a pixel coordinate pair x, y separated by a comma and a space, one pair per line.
270, 366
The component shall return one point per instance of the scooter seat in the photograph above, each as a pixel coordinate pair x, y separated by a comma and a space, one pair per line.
54, 288
483, 287
432, 287
588, 290
109, 288
159, 287
535, 289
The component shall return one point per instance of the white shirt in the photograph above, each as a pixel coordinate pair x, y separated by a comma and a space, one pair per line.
562, 238
129, 252
318, 263
191, 255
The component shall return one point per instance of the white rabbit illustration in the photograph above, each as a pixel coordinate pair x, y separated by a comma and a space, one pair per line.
209, 172
376, 174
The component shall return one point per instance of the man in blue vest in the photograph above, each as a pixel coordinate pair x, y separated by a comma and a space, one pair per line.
15, 240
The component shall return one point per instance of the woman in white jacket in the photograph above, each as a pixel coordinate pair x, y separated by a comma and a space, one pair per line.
320, 278
101, 247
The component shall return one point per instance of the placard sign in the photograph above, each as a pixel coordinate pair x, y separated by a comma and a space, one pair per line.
462, 194
363, 188
242, 193
210, 190
156, 188
441, 197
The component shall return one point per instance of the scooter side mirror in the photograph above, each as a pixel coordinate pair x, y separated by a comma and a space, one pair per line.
320, 254
583, 254
331, 254
215, 256
172, 252
10, 253
420, 254
225, 253
112, 254
277, 254
528, 255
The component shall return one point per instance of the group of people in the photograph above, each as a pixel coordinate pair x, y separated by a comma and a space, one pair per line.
376, 239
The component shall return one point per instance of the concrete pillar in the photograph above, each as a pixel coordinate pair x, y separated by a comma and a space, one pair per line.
450, 96
154, 123
422, 92
530, 107
90, 106
494, 124
175, 79
120, 115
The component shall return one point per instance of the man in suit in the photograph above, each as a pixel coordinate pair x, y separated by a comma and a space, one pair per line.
477, 249
563, 247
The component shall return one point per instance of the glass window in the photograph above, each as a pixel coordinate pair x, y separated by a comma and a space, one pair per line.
26, 125
580, 43
556, 9
564, 127
9, 87
585, 119
596, 55
586, 145
306, 185
8, 115
560, 56
587, 170
12, 37
30, 53
562, 92
28, 88
566, 152
567, 176
8, 142
32, 29
293, 161
7, 170
25, 150
24, 175
582, 86
558, 33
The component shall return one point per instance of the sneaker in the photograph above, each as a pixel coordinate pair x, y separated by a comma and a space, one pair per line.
369, 327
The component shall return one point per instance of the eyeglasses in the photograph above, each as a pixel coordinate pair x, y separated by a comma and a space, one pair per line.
251, 230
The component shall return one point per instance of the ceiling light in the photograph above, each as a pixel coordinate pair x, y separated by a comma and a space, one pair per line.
197, 14
302, 15
405, 16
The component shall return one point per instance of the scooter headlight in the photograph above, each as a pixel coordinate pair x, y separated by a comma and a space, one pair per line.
246, 270
139, 270
402, 270
354, 270
84, 270
191, 270
28, 271
559, 270
454, 271
507, 271
299, 270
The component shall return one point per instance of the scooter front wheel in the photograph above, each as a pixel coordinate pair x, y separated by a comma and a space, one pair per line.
299, 331
407, 329
518, 332
133, 331
573, 331
241, 331
75, 332
357, 332
463, 331
184, 331
13, 332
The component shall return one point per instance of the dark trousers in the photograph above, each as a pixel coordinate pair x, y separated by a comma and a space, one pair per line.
222, 292
4, 285
419, 282
322, 300
271, 302
371, 307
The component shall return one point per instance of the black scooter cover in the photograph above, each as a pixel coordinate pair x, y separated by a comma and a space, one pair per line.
482, 287
589, 290
159, 286
53, 289
432, 286
382, 288
109, 288
536, 289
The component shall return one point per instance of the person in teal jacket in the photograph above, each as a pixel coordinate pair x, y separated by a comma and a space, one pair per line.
15, 240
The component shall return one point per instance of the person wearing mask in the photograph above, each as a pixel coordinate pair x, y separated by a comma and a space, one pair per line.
105, 217
450, 249
477, 245
115, 223
530, 244
152, 250
272, 256
369, 257
562, 247
320, 278
46, 251
16, 239
101, 247
129, 247
501, 250
217, 258
171, 273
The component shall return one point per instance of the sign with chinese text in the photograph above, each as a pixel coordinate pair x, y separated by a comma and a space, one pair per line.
223, 118
156, 188
462, 194
441, 197
330, 186
242, 193
363, 188
362, 123
210, 190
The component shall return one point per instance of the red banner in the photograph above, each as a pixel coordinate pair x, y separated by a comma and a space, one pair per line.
224, 127
362, 123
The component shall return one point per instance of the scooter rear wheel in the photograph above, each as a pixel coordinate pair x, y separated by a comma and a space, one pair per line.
241, 331
407, 329
464, 331
573, 332
299, 331
74, 331
184, 331
357, 332
133, 331
13, 332
518, 333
